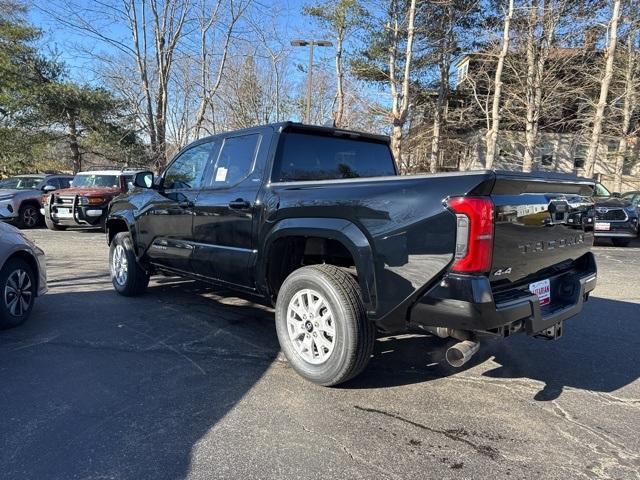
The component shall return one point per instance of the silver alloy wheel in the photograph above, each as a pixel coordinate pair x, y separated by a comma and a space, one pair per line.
119, 266
29, 217
311, 326
18, 292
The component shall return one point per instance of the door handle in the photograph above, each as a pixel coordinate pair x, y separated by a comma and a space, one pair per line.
186, 204
239, 204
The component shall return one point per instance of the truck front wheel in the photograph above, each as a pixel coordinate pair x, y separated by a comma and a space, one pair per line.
128, 277
322, 326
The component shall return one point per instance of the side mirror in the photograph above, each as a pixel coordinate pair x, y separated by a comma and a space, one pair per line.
48, 188
616, 194
143, 180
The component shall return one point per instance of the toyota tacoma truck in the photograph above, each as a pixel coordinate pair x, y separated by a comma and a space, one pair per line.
318, 221
85, 202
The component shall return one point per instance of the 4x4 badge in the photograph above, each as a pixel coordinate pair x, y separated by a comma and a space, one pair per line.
502, 271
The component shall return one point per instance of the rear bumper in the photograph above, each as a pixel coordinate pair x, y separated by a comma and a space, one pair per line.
468, 303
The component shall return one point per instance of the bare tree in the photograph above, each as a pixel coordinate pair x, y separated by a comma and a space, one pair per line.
604, 91
154, 31
400, 81
491, 137
541, 32
341, 18
208, 19
628, 129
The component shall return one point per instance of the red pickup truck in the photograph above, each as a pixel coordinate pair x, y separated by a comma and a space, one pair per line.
85, 203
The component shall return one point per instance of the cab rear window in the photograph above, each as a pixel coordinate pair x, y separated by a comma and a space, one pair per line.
309, 156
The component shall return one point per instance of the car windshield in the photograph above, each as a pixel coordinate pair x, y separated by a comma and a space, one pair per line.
21, 183
95, 180
601, 191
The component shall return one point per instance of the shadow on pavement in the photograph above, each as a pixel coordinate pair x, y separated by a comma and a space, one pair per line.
597, 352
101, 386
97, 385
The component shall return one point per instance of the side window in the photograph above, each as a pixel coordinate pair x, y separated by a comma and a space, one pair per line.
235, 160
65, 182
188, 169
54, 182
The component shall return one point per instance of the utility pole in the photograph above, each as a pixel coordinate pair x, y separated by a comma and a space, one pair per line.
310, 44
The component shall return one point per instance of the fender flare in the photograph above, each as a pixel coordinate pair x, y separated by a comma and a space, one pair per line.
338, 229
128, 220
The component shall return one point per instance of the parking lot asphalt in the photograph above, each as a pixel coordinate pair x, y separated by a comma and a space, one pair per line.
187, 382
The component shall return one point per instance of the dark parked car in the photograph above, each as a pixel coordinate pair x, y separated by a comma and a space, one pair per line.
85, 203
22, 276
633, 197
20, 197
616, 217
317, 221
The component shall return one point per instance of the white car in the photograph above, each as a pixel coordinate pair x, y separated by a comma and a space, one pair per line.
23, 276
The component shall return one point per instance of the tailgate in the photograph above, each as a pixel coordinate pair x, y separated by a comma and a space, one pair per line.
543, 223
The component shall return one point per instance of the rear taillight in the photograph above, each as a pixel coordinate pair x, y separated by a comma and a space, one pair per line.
474, 234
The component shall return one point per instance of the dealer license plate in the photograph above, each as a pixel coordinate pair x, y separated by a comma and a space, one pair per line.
64, 213
542, 290
603, 226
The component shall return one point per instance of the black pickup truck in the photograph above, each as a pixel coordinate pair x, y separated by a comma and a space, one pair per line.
318, 221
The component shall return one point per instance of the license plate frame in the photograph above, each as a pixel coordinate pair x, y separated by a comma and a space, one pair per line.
602, 226
64, 213
542, 290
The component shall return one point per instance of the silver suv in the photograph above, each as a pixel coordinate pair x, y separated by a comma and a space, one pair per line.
20, 197
23, 276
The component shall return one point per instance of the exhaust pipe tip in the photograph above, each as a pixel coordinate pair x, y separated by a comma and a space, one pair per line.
460, 353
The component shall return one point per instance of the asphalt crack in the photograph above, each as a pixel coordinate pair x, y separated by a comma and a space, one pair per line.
354, 457
456, 434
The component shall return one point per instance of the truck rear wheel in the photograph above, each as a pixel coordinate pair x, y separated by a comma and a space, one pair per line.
322, 326
128, 277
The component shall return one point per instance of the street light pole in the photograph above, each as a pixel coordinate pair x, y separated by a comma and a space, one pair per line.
309, 85
310, 44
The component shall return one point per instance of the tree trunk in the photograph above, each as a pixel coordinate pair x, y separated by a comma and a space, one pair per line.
629, 106
400, 100
396, 146
598, 115
492, 133
339, 98
74, 146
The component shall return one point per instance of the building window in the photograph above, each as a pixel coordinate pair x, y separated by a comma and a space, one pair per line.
463, 72
579, 156
546, 155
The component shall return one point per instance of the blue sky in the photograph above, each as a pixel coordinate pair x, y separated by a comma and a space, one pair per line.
64, 41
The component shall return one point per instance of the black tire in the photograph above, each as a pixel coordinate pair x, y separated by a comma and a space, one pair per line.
621, 242
17, 278
354, 333
51, 225
136, 279
28, 216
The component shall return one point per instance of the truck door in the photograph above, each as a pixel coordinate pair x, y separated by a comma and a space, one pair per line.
225, 211
165, 223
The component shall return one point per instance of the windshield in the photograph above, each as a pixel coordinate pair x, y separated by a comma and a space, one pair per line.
91, 180
21, 183
601, 191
